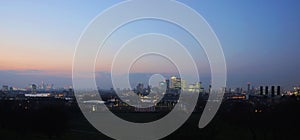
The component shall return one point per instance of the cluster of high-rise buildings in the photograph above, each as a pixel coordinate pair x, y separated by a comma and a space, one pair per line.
172, 85
45, 86
31, 88
264, 90
176, 84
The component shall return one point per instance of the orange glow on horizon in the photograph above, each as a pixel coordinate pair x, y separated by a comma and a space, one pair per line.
23, 57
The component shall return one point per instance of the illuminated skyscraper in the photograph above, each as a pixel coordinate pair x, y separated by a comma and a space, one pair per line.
183, 84
175, 83
195, 87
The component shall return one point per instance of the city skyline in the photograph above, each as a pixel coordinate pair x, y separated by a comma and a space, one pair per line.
172, 82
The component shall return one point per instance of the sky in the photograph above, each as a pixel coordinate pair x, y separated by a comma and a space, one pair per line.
260, 39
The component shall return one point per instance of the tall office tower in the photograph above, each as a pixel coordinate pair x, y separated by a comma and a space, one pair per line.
278, 90
33, 88
43, 86
248, 88
183, 84
178, 84
168, 84
266, 90
261, 90
140, 88
209, 90
172, 82
273, 90
175, 83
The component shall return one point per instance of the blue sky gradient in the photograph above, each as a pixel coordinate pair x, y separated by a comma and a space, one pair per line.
260, 39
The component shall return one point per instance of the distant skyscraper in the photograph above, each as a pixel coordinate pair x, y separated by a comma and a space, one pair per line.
43, 86
278, 90
140, 88
175, 83
266, 90
172, 82
183, 84
273, 90
261, 90
33, 88
248, 88
168, 84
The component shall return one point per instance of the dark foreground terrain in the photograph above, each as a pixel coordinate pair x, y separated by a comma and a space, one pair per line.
236, 120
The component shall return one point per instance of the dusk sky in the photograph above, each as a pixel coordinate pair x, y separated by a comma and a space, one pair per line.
260, 39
